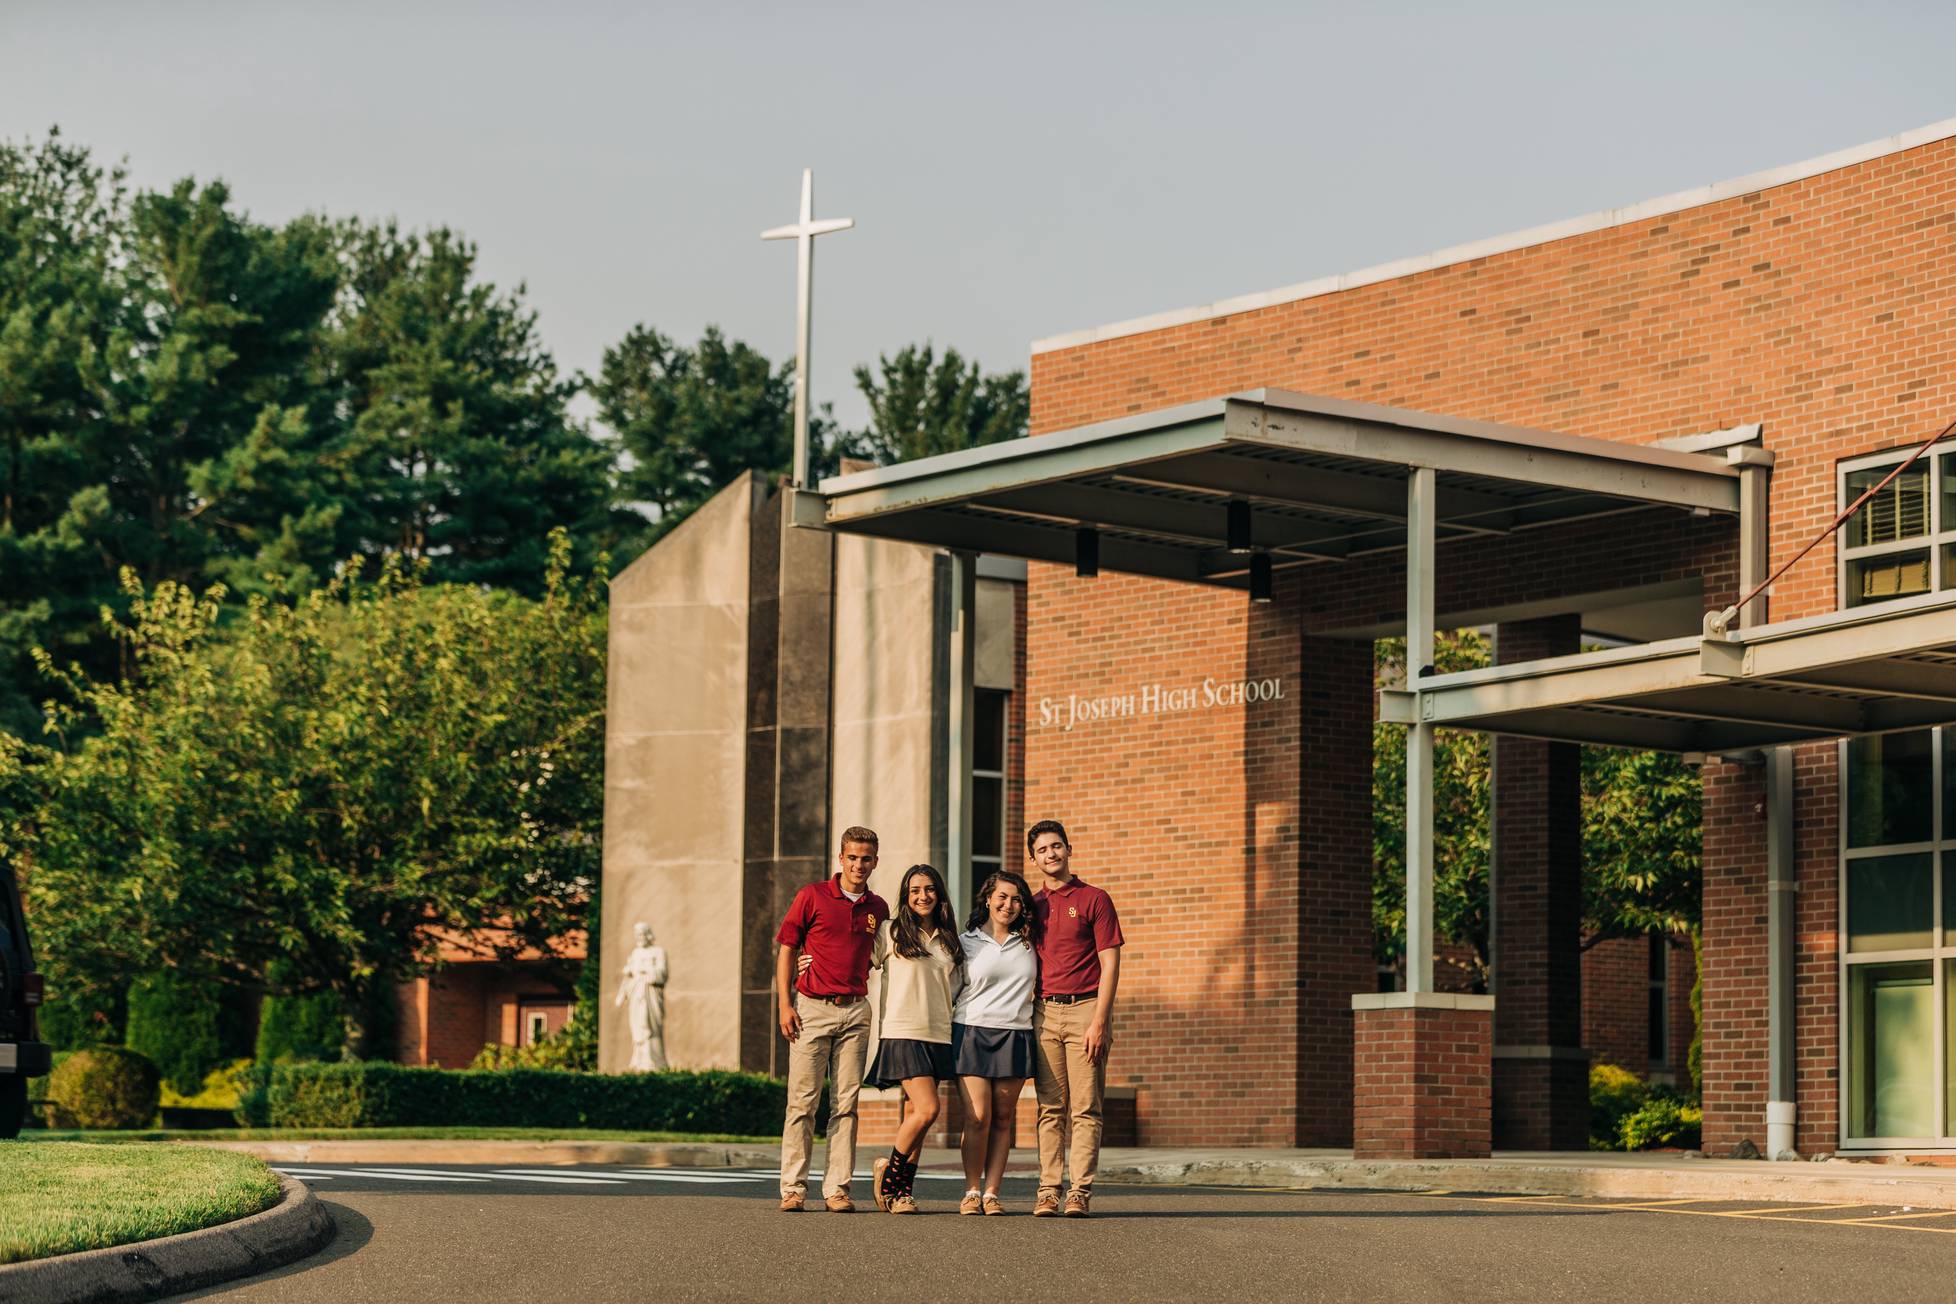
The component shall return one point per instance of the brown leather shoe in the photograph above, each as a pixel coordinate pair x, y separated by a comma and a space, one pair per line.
972, 1203
1076, 1204
793, 1202
993, 1206
903, 1204
876, 1184
840, 1203
1047, 1205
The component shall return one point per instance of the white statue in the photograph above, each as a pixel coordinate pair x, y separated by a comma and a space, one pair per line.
645, 987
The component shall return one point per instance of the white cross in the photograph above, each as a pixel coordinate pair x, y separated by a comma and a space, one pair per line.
803, 233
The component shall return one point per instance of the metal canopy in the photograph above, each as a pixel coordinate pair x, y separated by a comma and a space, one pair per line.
1326, 478
1863, 670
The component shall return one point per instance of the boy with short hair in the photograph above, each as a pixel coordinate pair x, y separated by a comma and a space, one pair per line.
825, 1016
1079, 969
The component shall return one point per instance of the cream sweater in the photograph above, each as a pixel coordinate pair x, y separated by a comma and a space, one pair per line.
917, 994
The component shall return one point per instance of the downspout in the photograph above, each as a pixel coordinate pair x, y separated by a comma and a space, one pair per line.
1781, 904
1755, 541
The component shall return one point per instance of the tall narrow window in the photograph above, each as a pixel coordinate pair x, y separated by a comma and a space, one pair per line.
1658, 1026
988, 839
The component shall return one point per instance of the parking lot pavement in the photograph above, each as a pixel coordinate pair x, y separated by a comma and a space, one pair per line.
450, 1232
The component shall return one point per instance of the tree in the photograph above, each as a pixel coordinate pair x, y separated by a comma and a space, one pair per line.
318, 800
1641, 829
920, 405
691, 419
457, 445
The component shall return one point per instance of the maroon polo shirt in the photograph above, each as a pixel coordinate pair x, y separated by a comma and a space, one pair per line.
836, 933
1077, 922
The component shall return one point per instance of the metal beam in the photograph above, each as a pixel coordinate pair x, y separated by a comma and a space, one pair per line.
1201, 523
1373, 497
960, 730
1922, 680
1007, 538
1492, 452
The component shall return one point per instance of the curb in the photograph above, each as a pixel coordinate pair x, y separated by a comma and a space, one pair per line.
298, 1225
1790, 1184
503, 1153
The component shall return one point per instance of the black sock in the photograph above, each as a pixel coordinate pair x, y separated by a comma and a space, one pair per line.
893, 1174
909, 1175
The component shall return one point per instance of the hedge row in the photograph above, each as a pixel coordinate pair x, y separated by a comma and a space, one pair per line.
376, 1094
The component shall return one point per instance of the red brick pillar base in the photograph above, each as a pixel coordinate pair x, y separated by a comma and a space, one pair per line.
1422, 1075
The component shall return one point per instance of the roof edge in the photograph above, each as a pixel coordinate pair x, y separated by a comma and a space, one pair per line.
1513, 240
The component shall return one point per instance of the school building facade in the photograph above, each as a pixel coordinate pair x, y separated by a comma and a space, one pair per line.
1608, 427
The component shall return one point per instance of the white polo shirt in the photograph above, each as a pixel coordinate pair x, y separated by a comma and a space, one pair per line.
999, 978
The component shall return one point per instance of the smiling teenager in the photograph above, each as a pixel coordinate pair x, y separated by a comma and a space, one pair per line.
923, 967
825, 1016
1079, 945
991, 1032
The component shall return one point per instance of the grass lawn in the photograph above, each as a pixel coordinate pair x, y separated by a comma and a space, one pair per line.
411, 1134
57, 1198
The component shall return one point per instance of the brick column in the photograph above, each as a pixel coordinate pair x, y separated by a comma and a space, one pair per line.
1735, 995
1421, 1075
1335, 958
1541, 1072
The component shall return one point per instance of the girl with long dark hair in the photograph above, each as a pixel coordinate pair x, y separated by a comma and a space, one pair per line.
923, 967
991, 1031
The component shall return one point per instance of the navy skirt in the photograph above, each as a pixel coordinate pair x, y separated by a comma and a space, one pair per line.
991, 1052
900, 1058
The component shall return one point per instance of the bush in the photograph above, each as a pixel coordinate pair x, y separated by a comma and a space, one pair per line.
220, 1089
42, 1112
300, 1028
107, 1087
391, 1095
1614, 1094
175, 1022
1663, 1120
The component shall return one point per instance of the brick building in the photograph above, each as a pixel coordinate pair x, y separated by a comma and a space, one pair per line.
446, 1017
1605, 427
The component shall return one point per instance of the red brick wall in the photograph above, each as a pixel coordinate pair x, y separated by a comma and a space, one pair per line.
1421, 1077
450, 1015
1616, 1003
1816, 307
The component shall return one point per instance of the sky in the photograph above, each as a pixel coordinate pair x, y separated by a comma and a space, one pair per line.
1015, 171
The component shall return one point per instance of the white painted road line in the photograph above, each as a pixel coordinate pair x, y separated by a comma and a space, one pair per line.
616, 1175
308, 1173
516, 1175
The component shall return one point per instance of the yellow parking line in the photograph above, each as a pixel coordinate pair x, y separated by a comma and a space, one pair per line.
1893, 1217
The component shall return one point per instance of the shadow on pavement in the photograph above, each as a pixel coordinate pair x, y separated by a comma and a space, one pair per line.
351, 1232
1101, 1215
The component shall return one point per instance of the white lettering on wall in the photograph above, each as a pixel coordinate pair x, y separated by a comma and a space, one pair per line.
1158, 699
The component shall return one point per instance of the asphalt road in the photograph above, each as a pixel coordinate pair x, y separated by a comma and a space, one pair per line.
433, 1234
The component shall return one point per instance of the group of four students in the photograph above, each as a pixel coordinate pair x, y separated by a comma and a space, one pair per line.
1026, 990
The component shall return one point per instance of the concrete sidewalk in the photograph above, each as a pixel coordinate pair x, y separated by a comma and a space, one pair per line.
1640, 1176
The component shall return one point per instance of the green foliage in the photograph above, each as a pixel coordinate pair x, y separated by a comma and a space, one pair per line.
1615, 1093
201, 397
691, 419
295, 1029
175, 1021
221, 1088
390, 1095
340, 777
63, 1197
107, 1087
1663, 1120
921, 405
1460, 814
85, 1011
1641, 814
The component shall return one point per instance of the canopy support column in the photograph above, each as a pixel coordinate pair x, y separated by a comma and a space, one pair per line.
960, 708
1420, 503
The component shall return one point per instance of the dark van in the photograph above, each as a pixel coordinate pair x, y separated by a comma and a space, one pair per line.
22, 1054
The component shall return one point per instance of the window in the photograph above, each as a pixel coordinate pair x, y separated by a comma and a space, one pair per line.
1658, 1026
988, 835
1898, 792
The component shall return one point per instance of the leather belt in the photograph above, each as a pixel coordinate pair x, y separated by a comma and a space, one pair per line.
834, 1000
1071, 1000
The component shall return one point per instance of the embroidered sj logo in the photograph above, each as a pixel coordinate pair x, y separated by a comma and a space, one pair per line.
1073, 912
869, 923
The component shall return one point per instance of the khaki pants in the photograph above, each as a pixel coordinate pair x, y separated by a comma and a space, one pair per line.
834, 1040
1070, 1088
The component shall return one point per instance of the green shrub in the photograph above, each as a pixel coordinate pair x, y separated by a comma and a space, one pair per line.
301, 1029
390, 1095
42, 1112
1664, 1120
567, 1048
175, 1022
220, 1089
1614, 1094
106, 1087
76, 1016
